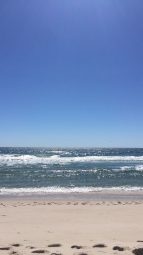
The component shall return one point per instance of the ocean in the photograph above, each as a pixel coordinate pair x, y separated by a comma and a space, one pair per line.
69, 170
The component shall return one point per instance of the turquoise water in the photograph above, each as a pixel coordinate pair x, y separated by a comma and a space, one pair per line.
46, 170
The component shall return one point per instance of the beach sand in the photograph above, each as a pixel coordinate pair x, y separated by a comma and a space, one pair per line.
71, 227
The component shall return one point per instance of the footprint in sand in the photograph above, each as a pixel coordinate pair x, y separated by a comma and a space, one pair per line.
16, 245
82, 253
55, 245
39, 251
76, 247
138, 251
13, 252
4, 248
100, 245
118, 248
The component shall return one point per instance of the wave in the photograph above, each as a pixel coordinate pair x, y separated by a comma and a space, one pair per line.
136, 167
63, 190
57, 152
126, 168
10, 159
139, 168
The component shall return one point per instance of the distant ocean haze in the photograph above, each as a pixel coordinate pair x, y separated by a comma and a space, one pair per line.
64, 170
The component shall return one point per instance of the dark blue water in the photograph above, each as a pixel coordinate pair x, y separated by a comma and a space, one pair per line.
69, 170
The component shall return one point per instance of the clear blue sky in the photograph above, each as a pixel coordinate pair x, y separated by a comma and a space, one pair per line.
71, 73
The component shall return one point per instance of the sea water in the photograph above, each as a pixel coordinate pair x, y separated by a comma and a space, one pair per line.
69, 170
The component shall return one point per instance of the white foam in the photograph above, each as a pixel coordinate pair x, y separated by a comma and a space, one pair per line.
56, 159
125, 168
57, 152
63, 190
139, 168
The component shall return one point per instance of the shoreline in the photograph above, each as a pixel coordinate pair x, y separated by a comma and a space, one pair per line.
86, 196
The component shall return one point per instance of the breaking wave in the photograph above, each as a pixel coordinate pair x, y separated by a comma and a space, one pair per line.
56, 159
63, 190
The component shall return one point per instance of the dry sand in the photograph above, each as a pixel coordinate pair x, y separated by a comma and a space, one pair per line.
29, 226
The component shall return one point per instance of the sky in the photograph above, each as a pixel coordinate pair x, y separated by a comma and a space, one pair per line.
71, 73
